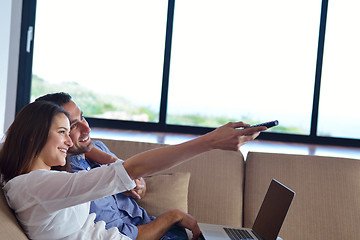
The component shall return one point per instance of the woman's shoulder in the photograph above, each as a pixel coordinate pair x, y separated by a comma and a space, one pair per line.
24, 187
33, 177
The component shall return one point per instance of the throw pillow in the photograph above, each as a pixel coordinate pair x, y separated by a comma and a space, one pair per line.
164, 192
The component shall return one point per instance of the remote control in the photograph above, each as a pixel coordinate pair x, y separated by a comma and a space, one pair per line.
267, 124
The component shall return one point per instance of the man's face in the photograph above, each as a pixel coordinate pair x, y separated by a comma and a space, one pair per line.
79, 130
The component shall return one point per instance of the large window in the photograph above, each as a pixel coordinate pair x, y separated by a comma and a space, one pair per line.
192, 65
107, 54
249, 60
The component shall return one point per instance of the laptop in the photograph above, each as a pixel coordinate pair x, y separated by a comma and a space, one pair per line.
268, 222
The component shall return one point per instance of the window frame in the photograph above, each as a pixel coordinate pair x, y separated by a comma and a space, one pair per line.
25, 76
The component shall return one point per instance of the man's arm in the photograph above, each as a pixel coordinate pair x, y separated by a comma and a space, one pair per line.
162, 224
99, 156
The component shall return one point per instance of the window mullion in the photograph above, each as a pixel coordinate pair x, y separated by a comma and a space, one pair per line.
319, 62
166, 70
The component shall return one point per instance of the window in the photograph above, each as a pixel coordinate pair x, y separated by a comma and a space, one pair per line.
248, 60
192, 65
339, 114
108, 55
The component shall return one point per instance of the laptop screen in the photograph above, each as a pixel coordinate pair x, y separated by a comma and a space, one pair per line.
273, 210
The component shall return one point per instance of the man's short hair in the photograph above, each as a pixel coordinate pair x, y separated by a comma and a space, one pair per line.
60, 98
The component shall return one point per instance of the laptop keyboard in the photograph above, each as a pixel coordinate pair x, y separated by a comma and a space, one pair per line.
238, 234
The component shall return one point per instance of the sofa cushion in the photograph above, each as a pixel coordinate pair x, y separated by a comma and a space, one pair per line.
327, 200
165, 192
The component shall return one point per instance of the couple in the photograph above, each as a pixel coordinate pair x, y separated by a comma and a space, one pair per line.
56, 204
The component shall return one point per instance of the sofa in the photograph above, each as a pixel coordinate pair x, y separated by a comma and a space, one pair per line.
223, 187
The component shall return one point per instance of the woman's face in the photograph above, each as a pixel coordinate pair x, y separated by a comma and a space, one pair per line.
58, 142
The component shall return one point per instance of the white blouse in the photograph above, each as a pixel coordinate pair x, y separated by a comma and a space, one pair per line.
55, 205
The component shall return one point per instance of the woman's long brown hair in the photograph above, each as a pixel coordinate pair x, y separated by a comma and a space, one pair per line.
26, 137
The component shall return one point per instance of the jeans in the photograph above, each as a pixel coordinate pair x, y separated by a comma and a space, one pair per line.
175, 233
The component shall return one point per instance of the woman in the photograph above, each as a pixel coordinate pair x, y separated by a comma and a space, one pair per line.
54, 204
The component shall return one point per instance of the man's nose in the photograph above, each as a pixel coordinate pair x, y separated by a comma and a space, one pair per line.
84, 126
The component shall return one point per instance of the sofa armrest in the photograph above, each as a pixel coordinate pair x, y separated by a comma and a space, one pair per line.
9, 227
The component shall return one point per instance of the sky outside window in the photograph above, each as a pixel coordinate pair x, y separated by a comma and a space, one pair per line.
339, 113
112, 48
245, 60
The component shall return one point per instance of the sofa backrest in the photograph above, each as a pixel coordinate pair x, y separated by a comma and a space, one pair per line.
327, 200
216, 183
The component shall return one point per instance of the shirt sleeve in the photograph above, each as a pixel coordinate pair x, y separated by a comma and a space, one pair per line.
129, 230
125, 228
58, 190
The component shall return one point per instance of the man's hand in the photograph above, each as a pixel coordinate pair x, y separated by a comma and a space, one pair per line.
139, 191
189, 222
162, 224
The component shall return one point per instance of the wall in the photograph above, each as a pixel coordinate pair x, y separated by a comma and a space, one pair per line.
10, 24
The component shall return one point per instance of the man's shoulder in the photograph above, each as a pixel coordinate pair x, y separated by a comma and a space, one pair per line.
99, 144
102, 147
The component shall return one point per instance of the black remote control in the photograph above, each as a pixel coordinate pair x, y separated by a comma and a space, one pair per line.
267, 124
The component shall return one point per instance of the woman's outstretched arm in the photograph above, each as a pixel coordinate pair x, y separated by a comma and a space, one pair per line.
226, 137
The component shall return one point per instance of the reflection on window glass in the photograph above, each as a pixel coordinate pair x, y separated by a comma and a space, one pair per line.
244, 60
107, 54
339, 114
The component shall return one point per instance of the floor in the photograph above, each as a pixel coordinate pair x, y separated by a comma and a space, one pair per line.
256, 145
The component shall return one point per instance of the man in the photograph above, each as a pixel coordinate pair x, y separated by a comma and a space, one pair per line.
120, 210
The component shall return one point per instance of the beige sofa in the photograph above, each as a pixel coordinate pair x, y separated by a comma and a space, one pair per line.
222, 187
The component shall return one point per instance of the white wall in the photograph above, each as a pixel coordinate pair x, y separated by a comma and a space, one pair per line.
10, 24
